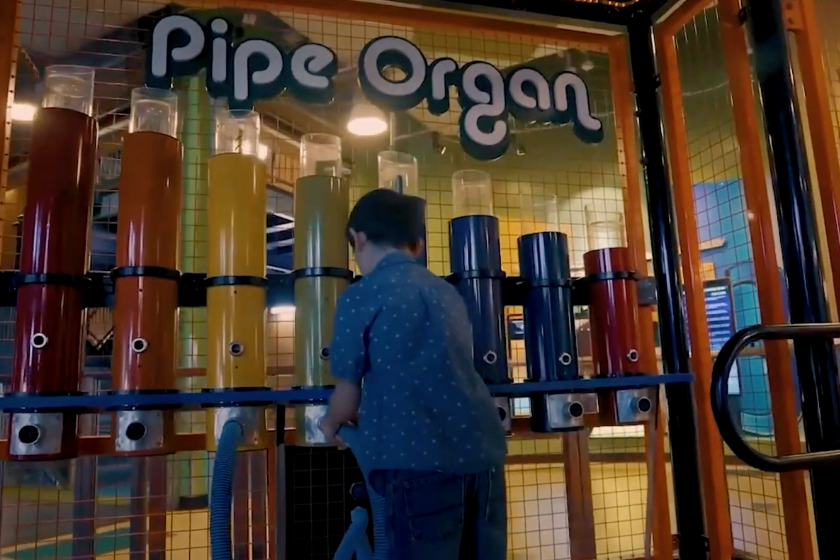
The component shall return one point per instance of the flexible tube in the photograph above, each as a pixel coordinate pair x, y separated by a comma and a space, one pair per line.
349, 435
221, 491
355, 541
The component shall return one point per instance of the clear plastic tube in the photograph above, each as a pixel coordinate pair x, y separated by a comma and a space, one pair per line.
69, 87
320, 154
237, 132
398, 172
154, 110
472, 193
604, 229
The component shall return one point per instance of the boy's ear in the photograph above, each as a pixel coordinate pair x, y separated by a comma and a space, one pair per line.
359, 239
418, 248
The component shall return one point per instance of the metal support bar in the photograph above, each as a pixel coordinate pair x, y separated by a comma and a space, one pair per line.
682, 423
815, 359
309, 395
192, 288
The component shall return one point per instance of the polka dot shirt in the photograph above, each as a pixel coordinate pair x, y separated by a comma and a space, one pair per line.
404, 335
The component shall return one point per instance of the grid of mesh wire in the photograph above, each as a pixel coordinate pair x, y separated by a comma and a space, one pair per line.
828, 15
549, 180
726, 253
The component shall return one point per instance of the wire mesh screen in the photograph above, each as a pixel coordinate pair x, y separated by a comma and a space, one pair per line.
828, 15
548, 180
729, 274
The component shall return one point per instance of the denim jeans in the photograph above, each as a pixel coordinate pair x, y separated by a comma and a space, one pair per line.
443, 516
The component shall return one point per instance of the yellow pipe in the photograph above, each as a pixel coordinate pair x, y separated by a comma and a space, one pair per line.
236, 216
321, 207
236, 314
235, 337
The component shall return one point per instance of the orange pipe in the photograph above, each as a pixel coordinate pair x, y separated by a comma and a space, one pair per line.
715, 491
818, 108
628, 155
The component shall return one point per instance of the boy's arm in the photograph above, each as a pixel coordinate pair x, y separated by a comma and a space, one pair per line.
348, 361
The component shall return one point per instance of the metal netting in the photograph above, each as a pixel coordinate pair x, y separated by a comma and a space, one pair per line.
729, 275
549, 178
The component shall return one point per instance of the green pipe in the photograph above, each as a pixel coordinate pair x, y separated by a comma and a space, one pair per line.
198, 139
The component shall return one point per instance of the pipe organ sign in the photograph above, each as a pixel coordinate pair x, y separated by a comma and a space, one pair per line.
252, 69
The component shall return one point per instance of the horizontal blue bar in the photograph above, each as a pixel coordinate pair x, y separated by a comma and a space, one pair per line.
96, 403
586, 385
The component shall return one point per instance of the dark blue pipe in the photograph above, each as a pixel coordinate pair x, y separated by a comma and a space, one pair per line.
550, 349
476, 261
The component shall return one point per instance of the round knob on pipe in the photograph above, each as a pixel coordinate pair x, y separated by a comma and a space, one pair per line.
139, 345
39, 340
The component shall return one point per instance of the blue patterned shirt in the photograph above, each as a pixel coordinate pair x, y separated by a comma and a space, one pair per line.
405, 335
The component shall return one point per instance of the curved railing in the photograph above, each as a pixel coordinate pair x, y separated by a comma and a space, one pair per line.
720, 403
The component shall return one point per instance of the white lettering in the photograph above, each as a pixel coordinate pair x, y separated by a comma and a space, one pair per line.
410, 54
441, 68
561, 100
486, 104
242, 77
519, 78
306, 63
218, 65
160, 43
487, 98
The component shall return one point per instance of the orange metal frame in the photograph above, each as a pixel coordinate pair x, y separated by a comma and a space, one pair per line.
712, 468
739, 72
802, 22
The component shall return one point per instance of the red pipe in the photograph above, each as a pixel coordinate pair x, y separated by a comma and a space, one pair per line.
613, 312
54, 258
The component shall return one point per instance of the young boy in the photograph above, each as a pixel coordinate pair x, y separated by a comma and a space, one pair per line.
403, 358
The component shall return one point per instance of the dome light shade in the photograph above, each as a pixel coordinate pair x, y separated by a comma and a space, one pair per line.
366, 120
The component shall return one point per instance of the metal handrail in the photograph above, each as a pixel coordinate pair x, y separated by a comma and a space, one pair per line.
720, 402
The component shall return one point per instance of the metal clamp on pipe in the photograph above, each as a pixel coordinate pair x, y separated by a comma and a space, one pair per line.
614, 327
720, 396
550, 350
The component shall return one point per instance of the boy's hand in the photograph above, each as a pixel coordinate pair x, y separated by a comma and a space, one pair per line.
330, 429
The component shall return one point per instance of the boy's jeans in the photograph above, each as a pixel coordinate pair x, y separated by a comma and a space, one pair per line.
442, 516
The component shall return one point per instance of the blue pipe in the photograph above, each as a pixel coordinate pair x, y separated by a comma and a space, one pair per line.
221, 491
355, 541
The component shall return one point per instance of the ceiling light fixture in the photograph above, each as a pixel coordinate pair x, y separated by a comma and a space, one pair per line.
366, 120
23, 112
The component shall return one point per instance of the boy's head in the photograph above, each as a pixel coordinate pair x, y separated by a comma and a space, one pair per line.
383, 221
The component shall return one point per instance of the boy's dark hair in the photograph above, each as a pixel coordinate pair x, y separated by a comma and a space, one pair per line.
388, 218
